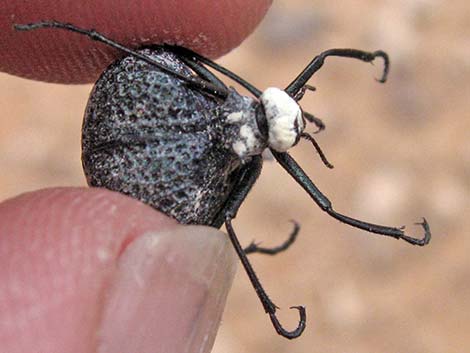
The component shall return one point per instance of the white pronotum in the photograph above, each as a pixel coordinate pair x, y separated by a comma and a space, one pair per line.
284, 117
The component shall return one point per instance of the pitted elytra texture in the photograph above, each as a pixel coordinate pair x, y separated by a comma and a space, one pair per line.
150, 136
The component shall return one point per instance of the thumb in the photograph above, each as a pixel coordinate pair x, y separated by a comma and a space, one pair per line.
86, 270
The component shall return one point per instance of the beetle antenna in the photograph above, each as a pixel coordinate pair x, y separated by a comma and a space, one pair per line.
94, 35
316, 121
315, 144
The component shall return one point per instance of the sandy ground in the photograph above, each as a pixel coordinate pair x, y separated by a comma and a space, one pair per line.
401, 151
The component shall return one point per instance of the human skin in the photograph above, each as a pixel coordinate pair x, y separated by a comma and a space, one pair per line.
89, 270
211, 28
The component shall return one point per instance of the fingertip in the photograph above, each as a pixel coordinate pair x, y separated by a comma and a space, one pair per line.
58, 250
168, 292
211, 28
144, 280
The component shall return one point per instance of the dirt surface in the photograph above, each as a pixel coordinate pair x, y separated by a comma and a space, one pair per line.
401, 151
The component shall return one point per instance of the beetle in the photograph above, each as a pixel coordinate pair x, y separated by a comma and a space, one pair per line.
161, 127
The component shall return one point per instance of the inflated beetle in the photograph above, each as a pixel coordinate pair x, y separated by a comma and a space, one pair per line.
162, 128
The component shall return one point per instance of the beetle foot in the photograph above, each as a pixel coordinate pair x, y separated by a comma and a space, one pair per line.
297, 331
423, 241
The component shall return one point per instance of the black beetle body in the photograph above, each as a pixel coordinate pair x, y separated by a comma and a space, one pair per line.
150, 136
162, 128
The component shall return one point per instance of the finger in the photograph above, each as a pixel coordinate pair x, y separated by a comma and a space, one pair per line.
209, 27
87, 270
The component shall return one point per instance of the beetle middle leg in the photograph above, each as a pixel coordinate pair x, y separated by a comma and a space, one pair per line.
268, 305
248, 177
255, 248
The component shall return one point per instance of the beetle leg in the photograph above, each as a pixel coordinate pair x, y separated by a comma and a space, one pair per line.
291, 166
94, 35
188, 53
193, 56
198, 68
255, 248
268, 305
246, 179
295, 86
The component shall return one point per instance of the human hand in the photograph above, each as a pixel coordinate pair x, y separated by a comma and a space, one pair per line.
86, 270
211, 28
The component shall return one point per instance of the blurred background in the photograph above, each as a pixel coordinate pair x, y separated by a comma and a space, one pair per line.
401, 151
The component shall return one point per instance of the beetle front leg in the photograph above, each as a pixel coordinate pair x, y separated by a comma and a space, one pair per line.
299, 82
291, 166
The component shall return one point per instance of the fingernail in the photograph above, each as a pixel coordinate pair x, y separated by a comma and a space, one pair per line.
168, 292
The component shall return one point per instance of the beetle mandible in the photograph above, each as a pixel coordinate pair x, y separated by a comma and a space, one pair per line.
162, 128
